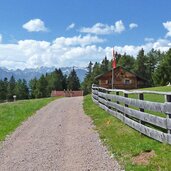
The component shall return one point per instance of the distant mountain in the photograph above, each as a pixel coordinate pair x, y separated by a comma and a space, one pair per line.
31, 73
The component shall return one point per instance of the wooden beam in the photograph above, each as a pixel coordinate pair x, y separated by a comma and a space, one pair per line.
168, 101
148, 105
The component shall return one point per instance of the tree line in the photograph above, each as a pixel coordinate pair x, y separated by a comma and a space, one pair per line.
155, 67
12, 87
53, 81
38, 88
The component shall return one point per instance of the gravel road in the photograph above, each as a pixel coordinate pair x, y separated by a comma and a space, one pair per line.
59, 137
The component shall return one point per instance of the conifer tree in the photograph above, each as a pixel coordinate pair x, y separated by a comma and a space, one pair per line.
11, 88
21, 89
127, 62
153, 59
33, 87
89, 68
41, 88
105, 65
141, 63
3, 89
162, 74
73, 82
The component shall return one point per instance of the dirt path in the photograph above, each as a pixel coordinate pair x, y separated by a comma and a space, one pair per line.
60, 137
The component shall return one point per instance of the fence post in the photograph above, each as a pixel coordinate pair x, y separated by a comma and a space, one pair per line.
117, 93
98, 89
108, 92
168, 99
141, 97
125, 95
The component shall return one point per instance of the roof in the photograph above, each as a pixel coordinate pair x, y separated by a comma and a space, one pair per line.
98, 76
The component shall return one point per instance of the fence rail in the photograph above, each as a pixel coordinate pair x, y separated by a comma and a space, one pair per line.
136, 112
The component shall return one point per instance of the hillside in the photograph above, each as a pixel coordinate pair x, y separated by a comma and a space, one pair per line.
161, 88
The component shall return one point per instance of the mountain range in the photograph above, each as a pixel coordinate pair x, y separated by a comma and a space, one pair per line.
30, 73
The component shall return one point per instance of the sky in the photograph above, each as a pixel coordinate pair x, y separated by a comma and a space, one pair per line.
60, 33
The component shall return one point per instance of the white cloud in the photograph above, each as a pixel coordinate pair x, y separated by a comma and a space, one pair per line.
35, 25
62, 51
100, 28
66, 51
119, 27
77, 40
71, 26
167, 26
133, 25
0, 38
160, 44
148, 39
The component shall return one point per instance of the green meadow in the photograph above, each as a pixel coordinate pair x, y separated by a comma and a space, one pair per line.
14, 113
134, 151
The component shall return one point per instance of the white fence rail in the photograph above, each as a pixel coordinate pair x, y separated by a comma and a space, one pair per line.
123, 107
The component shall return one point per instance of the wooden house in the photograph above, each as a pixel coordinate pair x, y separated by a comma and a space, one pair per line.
123, 79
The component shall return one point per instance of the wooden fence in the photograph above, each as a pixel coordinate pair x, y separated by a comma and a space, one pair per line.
136, 112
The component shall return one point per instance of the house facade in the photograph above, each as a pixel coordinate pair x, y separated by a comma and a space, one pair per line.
123, 79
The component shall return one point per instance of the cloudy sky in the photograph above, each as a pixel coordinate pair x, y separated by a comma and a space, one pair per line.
60, 33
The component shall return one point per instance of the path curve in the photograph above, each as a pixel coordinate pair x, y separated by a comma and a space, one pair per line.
59, 137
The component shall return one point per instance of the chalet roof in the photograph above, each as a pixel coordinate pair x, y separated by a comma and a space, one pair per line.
99, 76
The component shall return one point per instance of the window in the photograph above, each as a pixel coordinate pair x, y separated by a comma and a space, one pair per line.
127, 81
109, 81
103, 82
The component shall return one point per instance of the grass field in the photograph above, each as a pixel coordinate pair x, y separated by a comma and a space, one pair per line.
130, 147
13, 114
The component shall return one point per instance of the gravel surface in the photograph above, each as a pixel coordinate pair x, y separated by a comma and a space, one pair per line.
59, 137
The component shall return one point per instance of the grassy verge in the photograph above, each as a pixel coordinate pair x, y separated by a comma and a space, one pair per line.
13, 114
125, 143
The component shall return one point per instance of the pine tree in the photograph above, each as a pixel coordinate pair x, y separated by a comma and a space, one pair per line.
141, 63
59, 80
18, 89
153, 59
33, 87
90, 78
56, 81
42, 88
89, 68
64, 82
3, 89
73, 82
127, 62
105, 65
162, 74
25, 93
11, 88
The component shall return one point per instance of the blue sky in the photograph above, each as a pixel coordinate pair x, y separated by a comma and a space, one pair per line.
59, 33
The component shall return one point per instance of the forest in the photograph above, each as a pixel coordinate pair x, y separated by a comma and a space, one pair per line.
155, 67
38, 88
